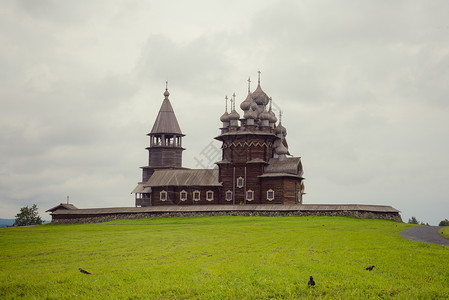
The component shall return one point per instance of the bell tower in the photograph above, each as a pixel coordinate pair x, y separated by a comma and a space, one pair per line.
165, 150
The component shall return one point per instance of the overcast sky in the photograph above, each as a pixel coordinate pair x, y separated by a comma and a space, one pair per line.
363, 86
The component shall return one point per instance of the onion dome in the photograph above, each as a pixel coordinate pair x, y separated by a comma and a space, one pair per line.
260, 97
250, 114
280, 129
225, 117
272, 118
254, 105
234, 115
264, 115
281, 149
245, 105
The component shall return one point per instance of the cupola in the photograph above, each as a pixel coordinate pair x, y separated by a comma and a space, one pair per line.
245, 105
225, 117
234, 115
280, 130
265, 118
259, 96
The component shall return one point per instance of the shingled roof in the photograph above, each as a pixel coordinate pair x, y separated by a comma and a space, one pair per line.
63, 206
289, 165
183, 177
166, 121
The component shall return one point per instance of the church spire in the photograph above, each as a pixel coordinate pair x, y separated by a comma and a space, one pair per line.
166, 121
166, 93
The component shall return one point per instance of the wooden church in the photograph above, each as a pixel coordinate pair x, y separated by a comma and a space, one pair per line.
255, 168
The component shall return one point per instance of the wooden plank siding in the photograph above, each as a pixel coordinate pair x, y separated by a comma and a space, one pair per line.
174, 195
165, 157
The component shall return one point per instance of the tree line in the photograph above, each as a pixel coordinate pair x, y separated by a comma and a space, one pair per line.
414, 220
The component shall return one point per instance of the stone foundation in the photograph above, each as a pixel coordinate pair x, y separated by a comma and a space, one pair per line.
74, 218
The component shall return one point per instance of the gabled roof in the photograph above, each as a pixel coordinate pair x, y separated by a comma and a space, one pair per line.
139, 188
182, 177
166, 121
289, 165
63, 206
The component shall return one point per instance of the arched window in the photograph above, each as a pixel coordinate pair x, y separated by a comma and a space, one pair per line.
196, 195
209, 195
163, 195
240, 182
249, 195
270, 195
183, 196
228, 196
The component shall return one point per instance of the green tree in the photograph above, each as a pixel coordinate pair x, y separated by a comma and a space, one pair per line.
445, 222
413, 220
28, 216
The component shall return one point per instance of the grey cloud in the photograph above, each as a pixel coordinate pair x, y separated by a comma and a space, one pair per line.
362, 86
62, 13
197, 65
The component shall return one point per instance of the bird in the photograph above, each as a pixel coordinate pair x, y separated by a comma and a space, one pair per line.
311, 282
84, 271
370, 268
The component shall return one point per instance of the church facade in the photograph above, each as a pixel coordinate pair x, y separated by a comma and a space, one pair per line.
255, 167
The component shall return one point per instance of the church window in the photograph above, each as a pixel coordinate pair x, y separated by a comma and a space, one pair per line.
196, 196
209, 195
228, 196
249, 195
163, 195
270, 195
240, 182
183, 196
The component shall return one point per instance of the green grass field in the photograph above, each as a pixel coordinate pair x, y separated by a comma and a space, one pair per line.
221, 258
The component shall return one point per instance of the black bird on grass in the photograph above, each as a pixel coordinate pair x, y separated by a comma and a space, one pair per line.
311, 282
84, 271
370, 268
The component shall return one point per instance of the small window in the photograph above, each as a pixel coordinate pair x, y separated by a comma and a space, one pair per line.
163, 196
270, 195
228, 196
209, 195
240, 182
249, 195
183, 196
196, 196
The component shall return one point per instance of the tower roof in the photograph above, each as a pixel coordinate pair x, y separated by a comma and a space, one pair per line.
259, 96
166, 121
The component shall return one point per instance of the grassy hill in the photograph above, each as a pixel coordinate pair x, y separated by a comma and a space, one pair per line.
221, 258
